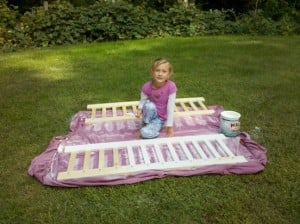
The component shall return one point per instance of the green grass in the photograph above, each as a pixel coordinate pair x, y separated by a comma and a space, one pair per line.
257, 76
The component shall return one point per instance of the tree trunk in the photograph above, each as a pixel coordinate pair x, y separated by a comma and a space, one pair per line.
186, 3
256, 7
46, 5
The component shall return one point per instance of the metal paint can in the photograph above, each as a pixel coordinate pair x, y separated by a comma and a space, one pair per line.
230, 123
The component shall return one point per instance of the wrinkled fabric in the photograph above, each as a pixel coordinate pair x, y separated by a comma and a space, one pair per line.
49, 163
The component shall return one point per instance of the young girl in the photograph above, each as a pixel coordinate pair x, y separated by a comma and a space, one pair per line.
158, 100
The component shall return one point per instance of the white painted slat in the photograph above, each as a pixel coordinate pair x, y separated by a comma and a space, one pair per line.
140, 155
212, 149
199, 149
145, 155
130, 156
159, 154
172, 151
90, 147
186, 150
225, 148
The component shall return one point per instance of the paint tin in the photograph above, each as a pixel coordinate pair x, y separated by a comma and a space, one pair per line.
230, 123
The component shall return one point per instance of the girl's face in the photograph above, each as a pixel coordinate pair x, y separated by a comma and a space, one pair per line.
161, 73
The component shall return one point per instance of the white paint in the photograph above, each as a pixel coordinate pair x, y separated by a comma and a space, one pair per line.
139, 142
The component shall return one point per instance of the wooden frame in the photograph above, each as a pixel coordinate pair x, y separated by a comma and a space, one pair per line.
177, 153
127, 110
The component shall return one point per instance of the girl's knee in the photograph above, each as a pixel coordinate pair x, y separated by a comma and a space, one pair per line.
148, 133
149, 106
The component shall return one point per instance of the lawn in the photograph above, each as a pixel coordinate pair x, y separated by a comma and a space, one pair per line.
259, 77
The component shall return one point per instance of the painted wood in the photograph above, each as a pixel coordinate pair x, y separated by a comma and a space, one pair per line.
225, 148
138, 142
212, 149
160, 163
158, 153
145, 154
173, 152
199, 150
186, 151
130, 156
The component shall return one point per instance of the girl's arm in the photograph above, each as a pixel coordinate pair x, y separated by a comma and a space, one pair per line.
170, 114
143, 100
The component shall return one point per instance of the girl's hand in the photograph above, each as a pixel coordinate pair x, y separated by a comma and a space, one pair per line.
138, 113
170, 132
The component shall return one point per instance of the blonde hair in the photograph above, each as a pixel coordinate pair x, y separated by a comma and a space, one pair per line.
160, 61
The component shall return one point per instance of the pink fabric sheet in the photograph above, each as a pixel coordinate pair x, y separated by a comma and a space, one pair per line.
48, 164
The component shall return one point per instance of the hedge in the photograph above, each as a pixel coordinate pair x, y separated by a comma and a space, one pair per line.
63, 24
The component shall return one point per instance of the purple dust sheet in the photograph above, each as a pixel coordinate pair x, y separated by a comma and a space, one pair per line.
51, 162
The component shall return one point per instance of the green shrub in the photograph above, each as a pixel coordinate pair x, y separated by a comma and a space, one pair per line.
216, 22
118, 21
255, 24
51, 27
8, 20
289, 23
184, 21
64, 23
